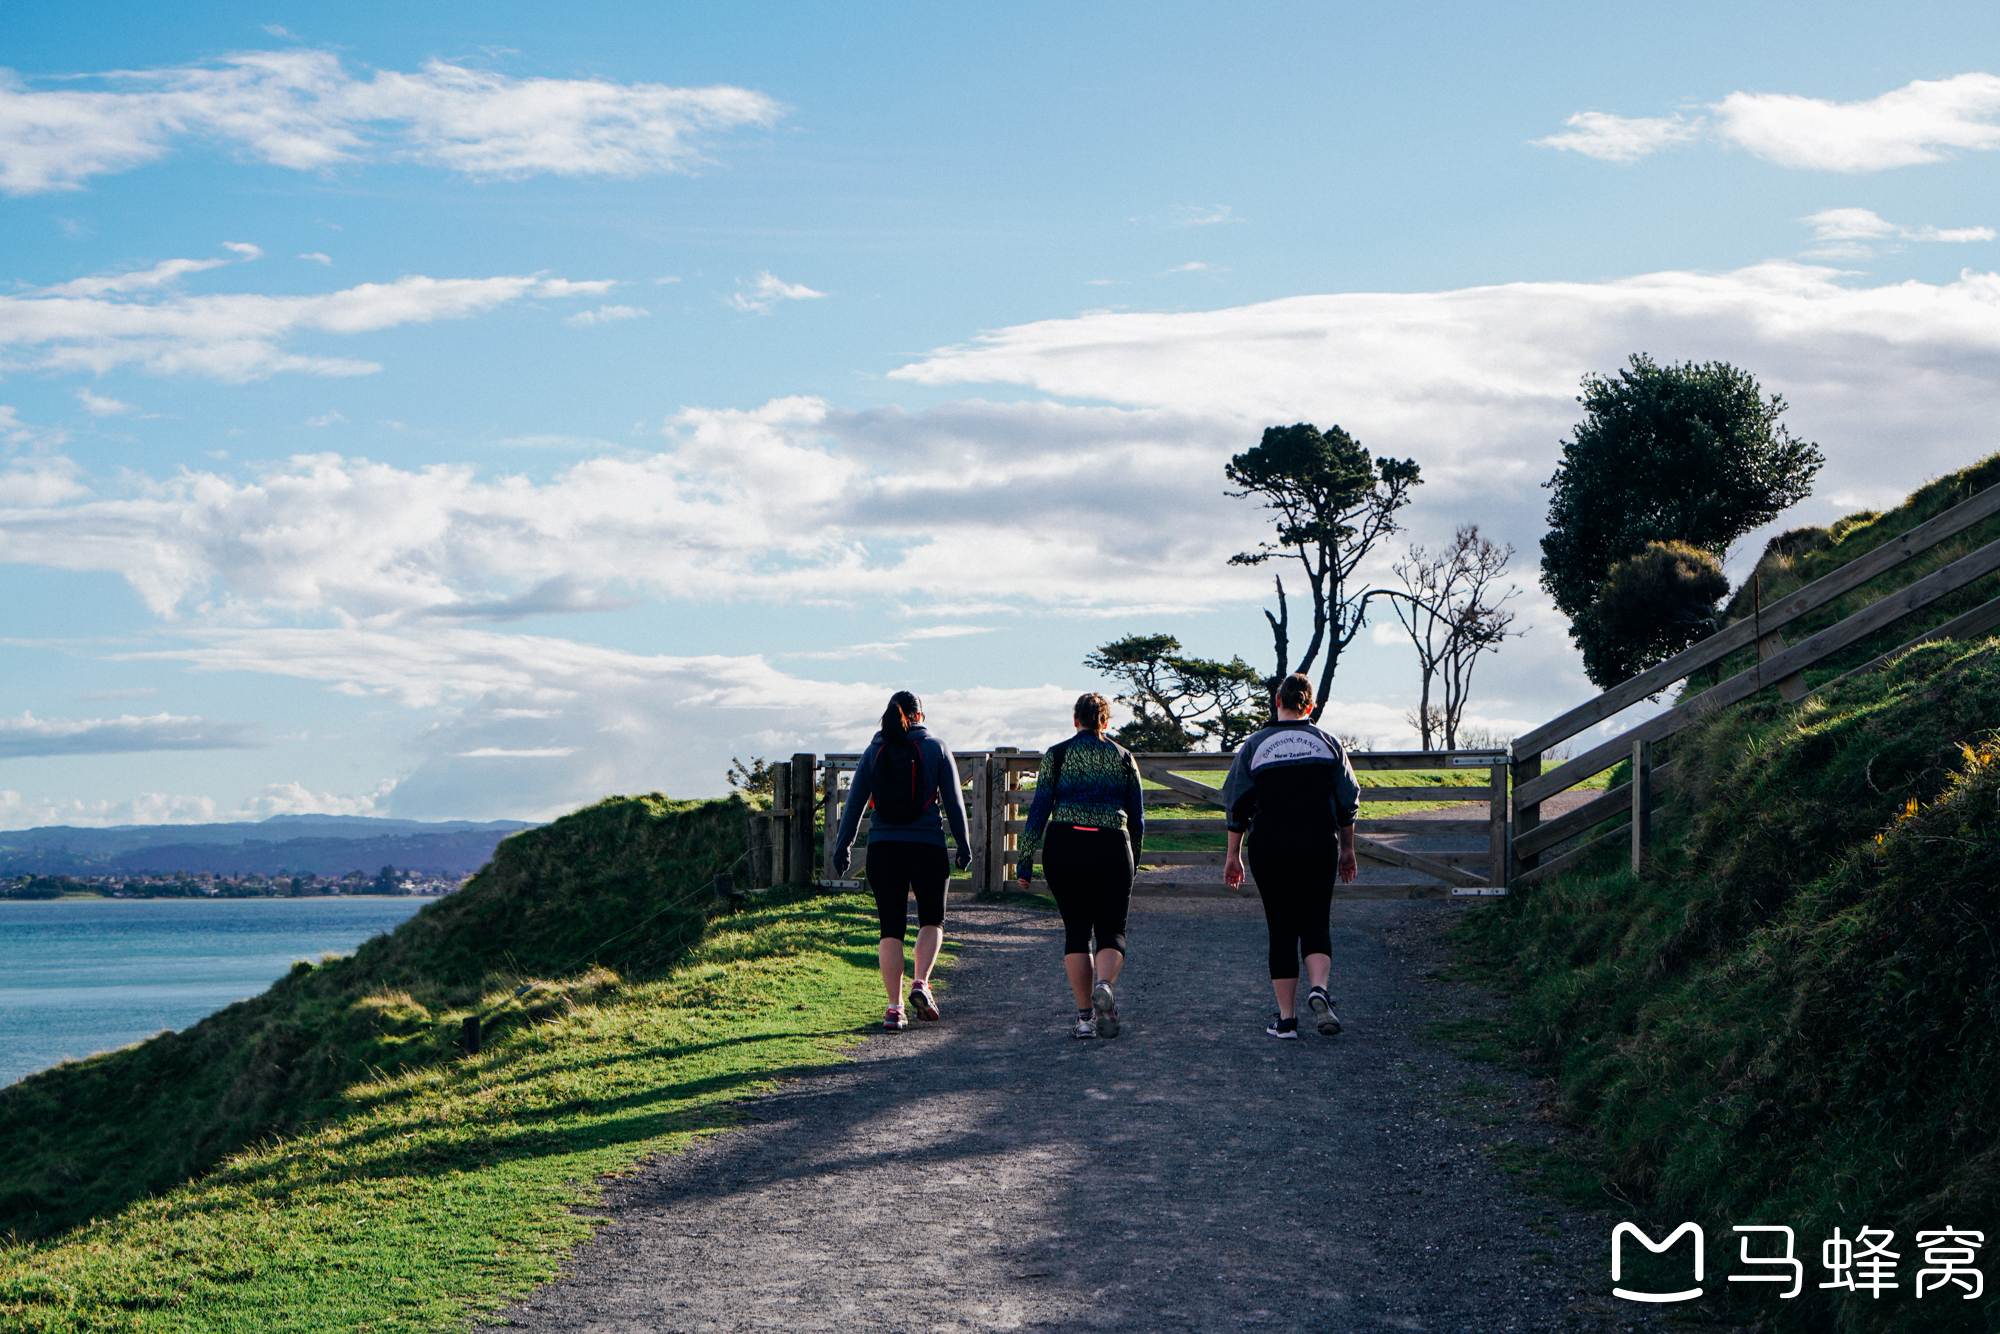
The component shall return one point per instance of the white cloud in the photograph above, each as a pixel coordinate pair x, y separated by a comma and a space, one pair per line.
1923, 121
606, 315
317, 257
767, 290
302, 110
886, 650
1197, 266
98, 405
275, 799
598, 720
792, 500
1204, 215
28, 735
244, 249
1914, 124
1611, 138
163, 274
110, 320
890, 650
325, 419
1841, 232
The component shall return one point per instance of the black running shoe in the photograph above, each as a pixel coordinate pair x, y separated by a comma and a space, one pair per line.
1287, 1029
1104, 1010
1322, 1007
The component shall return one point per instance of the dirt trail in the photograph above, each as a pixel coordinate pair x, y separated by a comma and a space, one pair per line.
991, 1173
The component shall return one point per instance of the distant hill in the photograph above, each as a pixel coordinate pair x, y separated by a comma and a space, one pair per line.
282, 845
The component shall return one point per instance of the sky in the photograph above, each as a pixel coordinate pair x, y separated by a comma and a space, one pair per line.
469, 411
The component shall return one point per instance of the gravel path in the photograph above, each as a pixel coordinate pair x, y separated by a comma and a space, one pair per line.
991, 1173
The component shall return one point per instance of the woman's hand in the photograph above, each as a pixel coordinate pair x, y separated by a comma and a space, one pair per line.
1349, 865
1232, 872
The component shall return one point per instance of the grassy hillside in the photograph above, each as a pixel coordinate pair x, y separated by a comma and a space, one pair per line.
1793, 1015
433, 1184
625, 883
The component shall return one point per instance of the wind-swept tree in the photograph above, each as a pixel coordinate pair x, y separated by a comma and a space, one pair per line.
1333, 504
1177, 700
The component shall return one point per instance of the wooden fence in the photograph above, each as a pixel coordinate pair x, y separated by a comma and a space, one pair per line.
997, 794
1779, 666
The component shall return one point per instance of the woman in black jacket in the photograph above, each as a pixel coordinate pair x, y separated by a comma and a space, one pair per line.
912, 781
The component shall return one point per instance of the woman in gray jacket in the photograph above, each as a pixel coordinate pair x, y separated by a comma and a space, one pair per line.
911, 779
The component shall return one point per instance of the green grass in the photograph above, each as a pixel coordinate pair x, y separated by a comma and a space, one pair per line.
453, 1187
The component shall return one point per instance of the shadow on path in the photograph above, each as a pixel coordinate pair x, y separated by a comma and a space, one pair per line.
991, 1173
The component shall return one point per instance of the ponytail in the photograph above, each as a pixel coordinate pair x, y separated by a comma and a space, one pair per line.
1295, 692
903, 707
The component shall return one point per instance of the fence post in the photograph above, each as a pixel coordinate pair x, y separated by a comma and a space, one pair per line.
979, 816
1497, 848
799, 836
780, 827
829, 814
1526, 818
1642, 803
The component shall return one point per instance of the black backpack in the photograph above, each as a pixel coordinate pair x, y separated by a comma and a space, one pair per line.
899, 774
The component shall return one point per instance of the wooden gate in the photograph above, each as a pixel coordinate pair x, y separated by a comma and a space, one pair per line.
997, 793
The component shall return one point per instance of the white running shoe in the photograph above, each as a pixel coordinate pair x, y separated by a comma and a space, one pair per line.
1104, 1010
1322, 1007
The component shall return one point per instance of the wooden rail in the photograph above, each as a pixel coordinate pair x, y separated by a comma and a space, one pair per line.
1779, 665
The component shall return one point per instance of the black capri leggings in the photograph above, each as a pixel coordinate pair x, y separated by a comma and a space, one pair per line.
1090, 873
1295, 878
898, 869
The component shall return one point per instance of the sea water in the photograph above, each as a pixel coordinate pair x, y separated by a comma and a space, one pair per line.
80, 976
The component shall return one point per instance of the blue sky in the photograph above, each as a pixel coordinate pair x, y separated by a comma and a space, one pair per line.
466, 411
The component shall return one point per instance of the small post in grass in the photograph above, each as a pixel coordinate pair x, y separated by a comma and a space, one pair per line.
1642, 803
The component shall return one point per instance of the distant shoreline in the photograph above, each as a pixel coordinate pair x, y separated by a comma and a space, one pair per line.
219, 898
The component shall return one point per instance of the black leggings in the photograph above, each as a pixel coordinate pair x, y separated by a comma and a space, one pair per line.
1090, 873
898, 869
1295, 878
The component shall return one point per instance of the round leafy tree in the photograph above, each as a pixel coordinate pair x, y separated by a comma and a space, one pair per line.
1690, 453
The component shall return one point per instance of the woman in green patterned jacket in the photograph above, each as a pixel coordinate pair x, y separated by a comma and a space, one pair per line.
1089, 820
